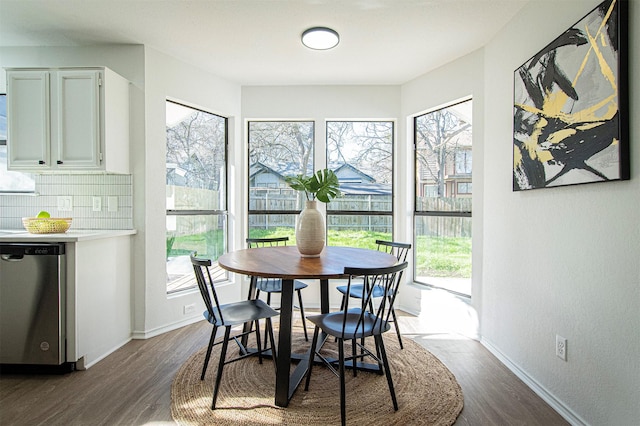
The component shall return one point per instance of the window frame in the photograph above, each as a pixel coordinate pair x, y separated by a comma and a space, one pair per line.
315, 150
267, 213
204, 212
382, 213
417, 214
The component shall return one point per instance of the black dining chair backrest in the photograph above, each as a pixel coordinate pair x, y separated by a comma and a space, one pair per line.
389, 280
274, 285
200, 266
399, 250
355, 324
267, 242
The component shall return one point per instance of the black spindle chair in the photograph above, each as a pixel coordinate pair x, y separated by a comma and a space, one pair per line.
274, 285
400, 250
227, 316
357, 323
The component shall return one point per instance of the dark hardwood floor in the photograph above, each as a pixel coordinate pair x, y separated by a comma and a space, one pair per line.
493, 395
132, 386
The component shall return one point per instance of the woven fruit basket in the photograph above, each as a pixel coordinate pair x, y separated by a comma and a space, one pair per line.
46, 225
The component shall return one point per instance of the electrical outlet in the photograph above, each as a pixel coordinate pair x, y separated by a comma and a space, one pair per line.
96, 203
189, 309
561, 347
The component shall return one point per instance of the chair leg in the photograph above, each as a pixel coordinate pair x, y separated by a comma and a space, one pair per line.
272, 341
387, 370
395, 323
354, 350
343, 402
343, 305
268, 303
258, 342
312, 355
304, 322
223, 354
257, 297
206, 359
380, 364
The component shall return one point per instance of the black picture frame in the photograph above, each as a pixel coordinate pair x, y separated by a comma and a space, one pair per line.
571, 103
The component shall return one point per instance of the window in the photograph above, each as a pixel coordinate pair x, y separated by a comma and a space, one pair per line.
463, 161
464, 187
196, 199
361, 154
442, 217
277, 149
10, 181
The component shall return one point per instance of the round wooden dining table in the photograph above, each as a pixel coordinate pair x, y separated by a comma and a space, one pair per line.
285, 262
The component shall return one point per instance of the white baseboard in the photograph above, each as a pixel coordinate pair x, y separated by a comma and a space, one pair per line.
166, 328
568, 414
83, 365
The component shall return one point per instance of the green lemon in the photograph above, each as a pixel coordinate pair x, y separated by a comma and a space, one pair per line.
43, 214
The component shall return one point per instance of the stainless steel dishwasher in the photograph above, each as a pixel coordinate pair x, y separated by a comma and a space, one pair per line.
32, 305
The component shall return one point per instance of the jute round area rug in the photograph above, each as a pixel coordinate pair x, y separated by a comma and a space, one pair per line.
427, 392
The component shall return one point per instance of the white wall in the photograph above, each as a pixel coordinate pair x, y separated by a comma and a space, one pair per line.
564, 260
126, 60
168, 78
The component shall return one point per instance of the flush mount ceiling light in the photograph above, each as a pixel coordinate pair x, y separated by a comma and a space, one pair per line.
320, 38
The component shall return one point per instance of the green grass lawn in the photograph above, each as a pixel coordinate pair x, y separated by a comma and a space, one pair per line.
443, 257
435, 256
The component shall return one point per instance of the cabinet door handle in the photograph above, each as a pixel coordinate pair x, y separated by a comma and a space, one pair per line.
59, 162
41, 162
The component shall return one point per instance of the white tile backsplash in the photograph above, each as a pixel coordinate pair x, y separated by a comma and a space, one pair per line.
82, 188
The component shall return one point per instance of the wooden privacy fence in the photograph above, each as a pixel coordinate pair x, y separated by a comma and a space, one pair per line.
442, 219
279, 199
283, 199
443, 226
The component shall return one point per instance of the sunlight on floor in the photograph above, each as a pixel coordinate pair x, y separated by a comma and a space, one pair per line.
442, 313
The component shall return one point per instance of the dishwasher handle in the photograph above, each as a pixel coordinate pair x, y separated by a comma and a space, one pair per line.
12, 257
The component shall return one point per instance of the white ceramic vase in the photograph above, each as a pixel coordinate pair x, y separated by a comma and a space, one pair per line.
310, 231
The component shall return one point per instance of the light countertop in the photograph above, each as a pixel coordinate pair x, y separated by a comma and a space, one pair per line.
72, 236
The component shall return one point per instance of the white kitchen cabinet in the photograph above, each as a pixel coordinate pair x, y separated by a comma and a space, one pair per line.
99, 307
67, 120
99, 290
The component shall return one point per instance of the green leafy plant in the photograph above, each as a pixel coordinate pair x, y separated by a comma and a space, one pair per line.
323, 185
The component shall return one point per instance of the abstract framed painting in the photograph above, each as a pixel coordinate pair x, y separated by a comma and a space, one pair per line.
571, 102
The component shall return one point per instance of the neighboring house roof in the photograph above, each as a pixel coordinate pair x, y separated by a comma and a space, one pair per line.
365, 188
346, 172
352, 180
280, 170
258, 168
176, 175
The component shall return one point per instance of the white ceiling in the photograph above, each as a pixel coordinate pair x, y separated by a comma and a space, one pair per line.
257, 42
